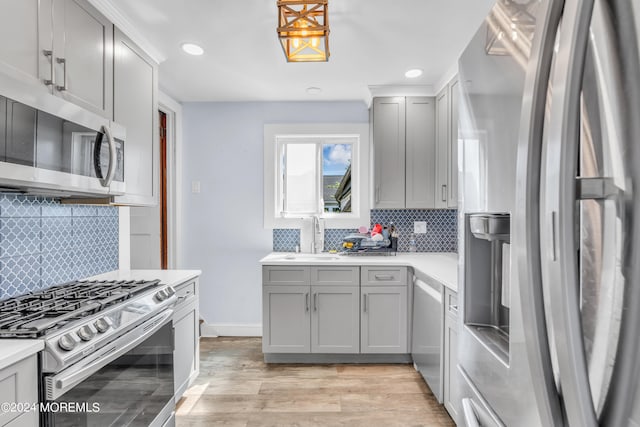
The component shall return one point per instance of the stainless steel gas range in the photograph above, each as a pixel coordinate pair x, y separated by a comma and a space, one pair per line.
108, 357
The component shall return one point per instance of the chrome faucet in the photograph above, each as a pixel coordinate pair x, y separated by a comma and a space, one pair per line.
318, 238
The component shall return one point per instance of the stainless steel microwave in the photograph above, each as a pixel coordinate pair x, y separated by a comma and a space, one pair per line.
62, 151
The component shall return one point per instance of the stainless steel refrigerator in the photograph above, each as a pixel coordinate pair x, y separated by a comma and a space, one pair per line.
549, 163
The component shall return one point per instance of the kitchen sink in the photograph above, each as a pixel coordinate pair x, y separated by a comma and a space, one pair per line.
310, 257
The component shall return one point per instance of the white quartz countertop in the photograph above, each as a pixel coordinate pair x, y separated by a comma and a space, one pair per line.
441, 266
167, 277
14, 350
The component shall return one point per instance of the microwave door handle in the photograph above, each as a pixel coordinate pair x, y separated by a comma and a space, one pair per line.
113, 157
60, 384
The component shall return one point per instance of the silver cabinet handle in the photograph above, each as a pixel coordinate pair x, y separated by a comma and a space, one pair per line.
49, 55
315, 302
470, 418
64, 74
306, 301
444, 192
377, 193
383, 277
453, 308
364, 302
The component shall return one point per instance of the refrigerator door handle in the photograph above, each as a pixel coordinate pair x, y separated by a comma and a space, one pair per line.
561, 262
526, 224
470, 418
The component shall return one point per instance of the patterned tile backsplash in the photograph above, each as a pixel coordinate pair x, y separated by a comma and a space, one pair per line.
44, 243
441, 235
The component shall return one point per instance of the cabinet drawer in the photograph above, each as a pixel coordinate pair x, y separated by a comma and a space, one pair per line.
184, 291
18, 384
384, 276
335, 276
285, 275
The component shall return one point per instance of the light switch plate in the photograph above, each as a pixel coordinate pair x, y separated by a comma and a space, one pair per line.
195, 187
419, 227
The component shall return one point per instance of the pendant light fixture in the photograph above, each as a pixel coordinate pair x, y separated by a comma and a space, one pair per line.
303, 29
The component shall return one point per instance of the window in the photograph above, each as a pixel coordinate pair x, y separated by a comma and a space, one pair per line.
315, 174
316, 170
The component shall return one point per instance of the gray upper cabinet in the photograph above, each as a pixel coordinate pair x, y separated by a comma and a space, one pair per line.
447, 146
404, 152
83, 58
389, 152
25, 32
420, 153
442, 148
62, 47
135, 105
453, 143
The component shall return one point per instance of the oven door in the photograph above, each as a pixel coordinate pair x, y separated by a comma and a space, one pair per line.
128, 382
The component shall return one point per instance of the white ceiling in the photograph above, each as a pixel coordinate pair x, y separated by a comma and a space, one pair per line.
372, 44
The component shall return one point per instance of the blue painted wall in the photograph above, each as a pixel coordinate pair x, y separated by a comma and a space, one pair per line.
222, 225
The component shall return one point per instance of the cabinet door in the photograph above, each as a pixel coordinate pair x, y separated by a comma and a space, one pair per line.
451, 394
453, 144
83, 51
136, 107
442, 149
185, 355
335, 319
25, 34
420, 153
286, 319
389, 152
384, 319
19, 385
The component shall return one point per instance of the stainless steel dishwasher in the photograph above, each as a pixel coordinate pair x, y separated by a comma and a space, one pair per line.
426, 348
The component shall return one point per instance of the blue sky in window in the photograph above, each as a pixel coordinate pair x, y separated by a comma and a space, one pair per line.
335, 158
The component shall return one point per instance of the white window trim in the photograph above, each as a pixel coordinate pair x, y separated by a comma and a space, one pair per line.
360, 179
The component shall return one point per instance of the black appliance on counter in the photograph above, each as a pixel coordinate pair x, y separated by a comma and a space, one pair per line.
108, 350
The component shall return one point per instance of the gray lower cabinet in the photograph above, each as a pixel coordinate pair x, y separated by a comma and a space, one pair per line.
135, 106
187, 337
451, 386
334, 310
19, 385
384, 319
310, 310
335, 324
384, 312
286, 319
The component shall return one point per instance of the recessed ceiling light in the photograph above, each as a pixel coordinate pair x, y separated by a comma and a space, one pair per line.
413, 73
313, 90
192, 49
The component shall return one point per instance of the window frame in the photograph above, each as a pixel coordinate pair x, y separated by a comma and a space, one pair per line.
360, 178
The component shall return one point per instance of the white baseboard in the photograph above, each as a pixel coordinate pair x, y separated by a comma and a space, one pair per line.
230, 330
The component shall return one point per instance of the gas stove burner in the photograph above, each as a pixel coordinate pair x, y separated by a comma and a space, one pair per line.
36, 314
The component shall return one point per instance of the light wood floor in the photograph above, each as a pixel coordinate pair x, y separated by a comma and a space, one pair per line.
236, 388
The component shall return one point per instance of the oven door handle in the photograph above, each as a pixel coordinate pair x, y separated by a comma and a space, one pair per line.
59, 384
